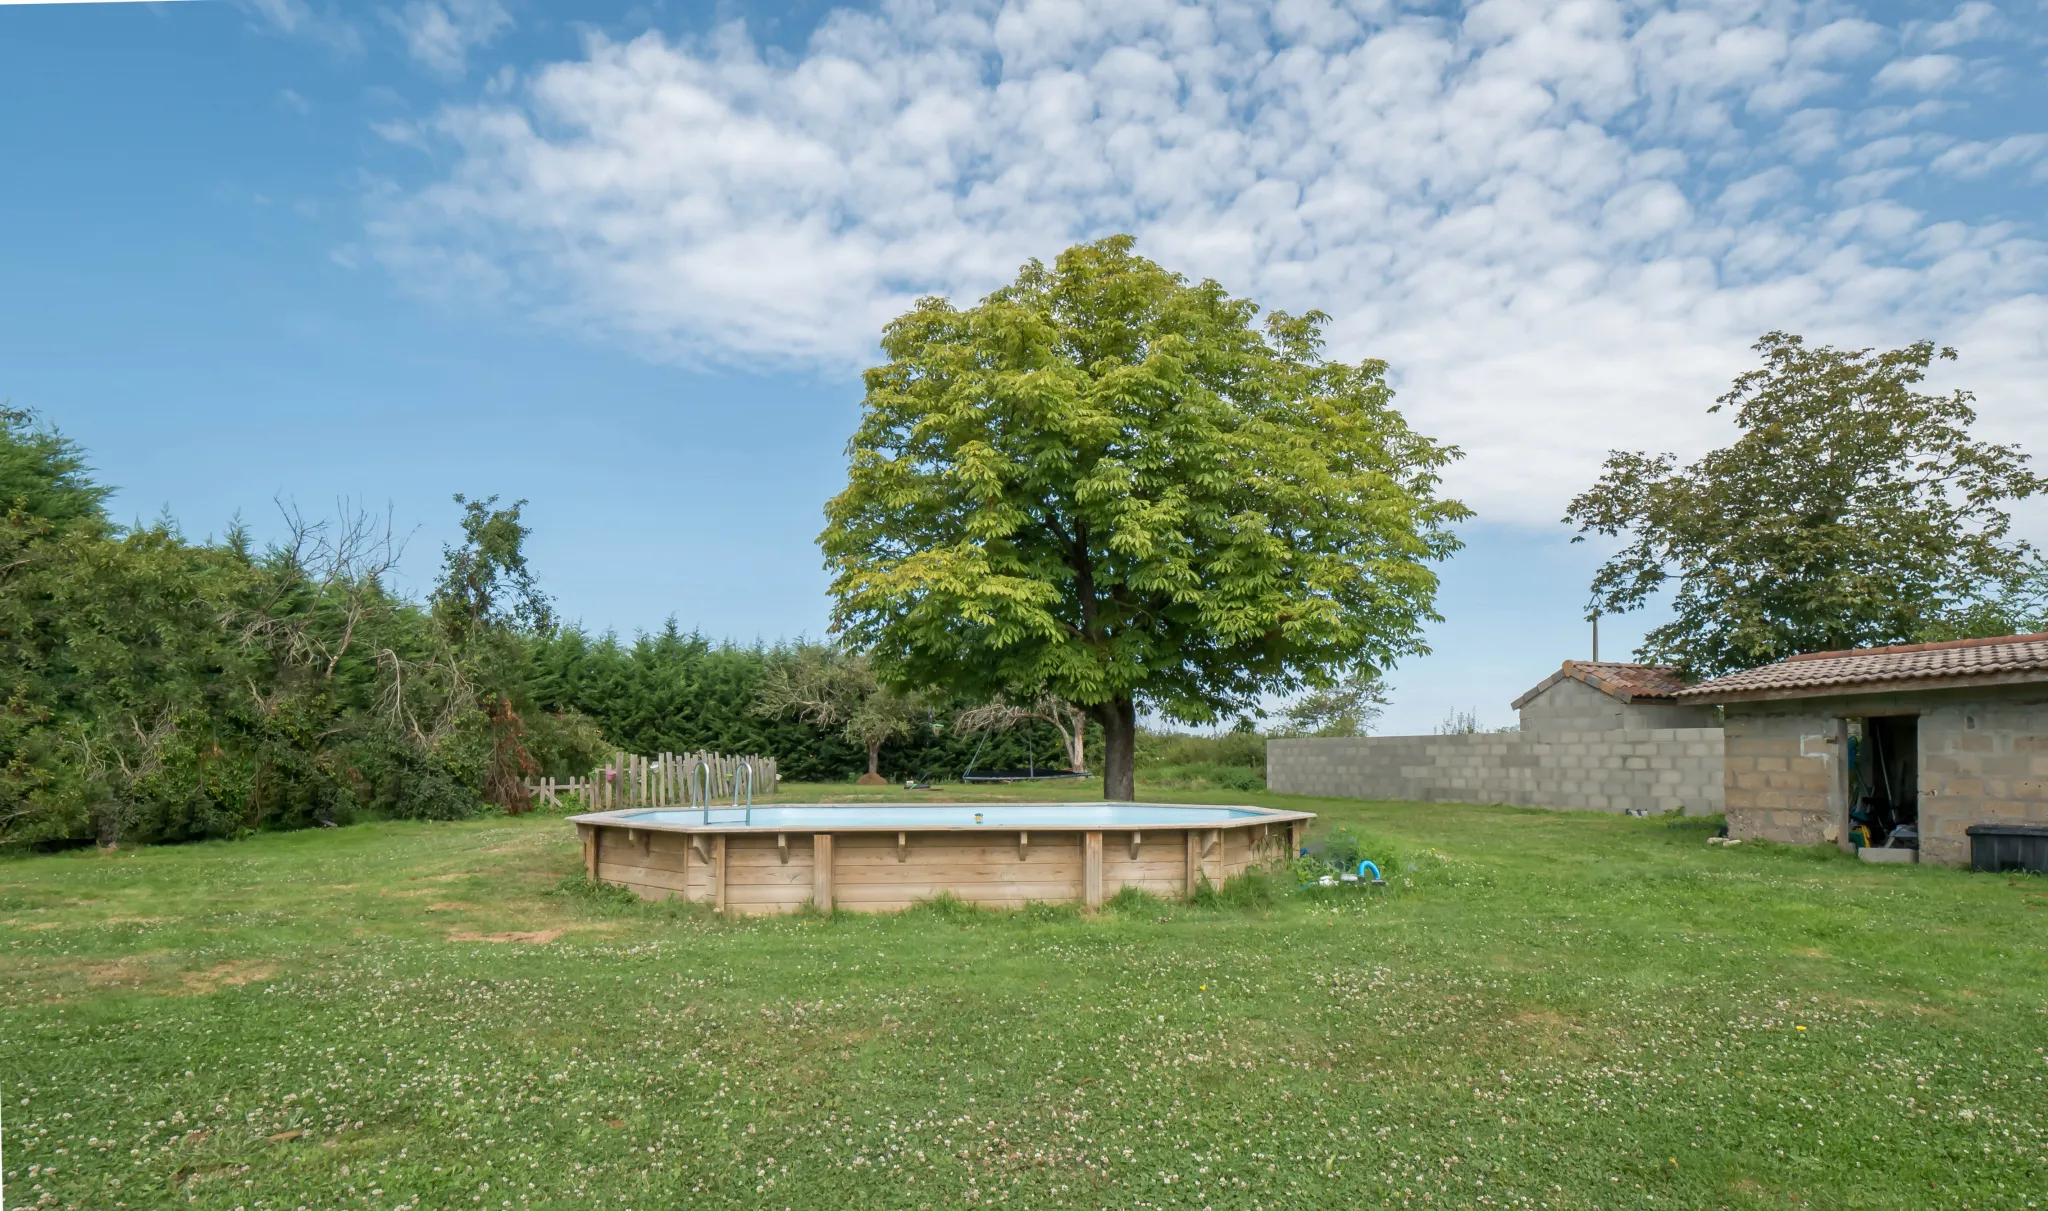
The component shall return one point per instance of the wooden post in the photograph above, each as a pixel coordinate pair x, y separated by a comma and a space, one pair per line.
718, 873
1194, 863
618, 780
1091, 869
589, 832
1293, 840
821, 871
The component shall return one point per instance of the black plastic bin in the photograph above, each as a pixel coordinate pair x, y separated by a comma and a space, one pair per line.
2008, 847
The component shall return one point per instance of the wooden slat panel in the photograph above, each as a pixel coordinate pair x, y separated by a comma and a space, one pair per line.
821, 871
1146, 869
1067, 871
762, 851
644, 891
664, 851
621, 872
919, 887
971, 893
1166, 889
796, 874
860, 849
755, 899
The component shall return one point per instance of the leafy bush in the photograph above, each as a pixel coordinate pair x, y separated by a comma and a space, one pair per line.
403, 783
1203, 777
1244, 749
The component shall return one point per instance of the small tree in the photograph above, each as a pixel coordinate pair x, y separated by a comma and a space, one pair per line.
1109, 482
1852, 511
489, 605
827, 687
1347, 708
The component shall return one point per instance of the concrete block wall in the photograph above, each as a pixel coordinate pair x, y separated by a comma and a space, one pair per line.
1782, 769
1981, 762
1656, 769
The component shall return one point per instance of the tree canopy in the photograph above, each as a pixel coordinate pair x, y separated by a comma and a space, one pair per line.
1852, 510
1111, 484
829, 687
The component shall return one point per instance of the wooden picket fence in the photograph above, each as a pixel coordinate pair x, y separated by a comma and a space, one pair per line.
662, 780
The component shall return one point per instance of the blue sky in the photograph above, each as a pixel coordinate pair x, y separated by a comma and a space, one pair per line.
626, 260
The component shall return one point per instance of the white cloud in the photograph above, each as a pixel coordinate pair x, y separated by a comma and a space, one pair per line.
439, 34
1921, 73
1970, 22
1562, 223
299, 19
1979, 159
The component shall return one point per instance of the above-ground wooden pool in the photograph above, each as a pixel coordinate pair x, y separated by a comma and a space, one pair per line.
880, 857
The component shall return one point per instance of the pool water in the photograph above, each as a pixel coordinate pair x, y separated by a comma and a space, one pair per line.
940, 815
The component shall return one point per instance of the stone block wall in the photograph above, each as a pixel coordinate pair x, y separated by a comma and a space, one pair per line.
1981, 762
1655, 769
1783, 767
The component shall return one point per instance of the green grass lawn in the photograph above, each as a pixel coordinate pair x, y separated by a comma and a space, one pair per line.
1561, 1010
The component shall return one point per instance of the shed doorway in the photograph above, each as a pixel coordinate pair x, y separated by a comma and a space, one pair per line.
1884, 782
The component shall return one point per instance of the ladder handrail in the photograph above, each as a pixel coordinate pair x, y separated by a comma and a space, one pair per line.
705, 802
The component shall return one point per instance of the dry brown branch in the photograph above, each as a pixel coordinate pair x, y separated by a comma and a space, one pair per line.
1000, 715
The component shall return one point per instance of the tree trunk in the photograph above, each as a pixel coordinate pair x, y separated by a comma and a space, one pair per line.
1119, 719
873, 777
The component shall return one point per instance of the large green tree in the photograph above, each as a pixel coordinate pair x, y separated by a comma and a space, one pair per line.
1852, 510
1111, 484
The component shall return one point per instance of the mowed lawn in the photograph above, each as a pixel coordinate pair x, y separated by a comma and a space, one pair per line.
1562, 1010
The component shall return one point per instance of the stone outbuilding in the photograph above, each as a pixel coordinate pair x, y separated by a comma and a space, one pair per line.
1591, 696
1853, 747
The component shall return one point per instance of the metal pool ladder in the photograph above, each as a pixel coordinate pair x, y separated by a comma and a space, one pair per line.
746, 767
704, 801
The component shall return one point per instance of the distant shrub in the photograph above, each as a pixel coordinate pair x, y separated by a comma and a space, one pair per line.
1203, 777
1246, 750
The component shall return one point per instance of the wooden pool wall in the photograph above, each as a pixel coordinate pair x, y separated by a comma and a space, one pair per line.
880, 871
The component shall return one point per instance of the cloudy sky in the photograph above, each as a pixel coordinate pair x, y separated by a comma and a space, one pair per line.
627, 260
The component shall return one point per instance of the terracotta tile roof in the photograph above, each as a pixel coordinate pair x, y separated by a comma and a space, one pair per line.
1627, 682
2006, 658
